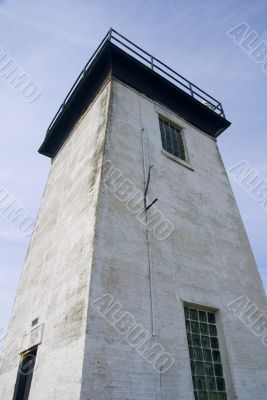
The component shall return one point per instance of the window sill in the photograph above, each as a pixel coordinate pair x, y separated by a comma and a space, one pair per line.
176, 159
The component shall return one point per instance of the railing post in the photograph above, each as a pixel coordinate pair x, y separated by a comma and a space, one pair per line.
152, 62
222, 111
191, 89
110, 34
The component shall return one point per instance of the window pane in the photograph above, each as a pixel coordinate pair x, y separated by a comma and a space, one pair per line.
181, 146
194, 382
205, 341
211, 318
216, 356
209, 369
200, 383
175, 150
222, 396
202, 316
214, 342
163, 138
191, 353
194, 327
204, 329
213, 330
168, 137
196, 340
211, 383
189, 339
199, 368
186, 312
198, 354
203, 396
193, 368
213, 396
187, 323
193, 314
220, 384
218, 370
207, 355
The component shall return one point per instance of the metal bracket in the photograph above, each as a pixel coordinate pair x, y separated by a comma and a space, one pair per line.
147, 207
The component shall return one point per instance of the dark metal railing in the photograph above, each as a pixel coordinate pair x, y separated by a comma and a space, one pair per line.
152, 62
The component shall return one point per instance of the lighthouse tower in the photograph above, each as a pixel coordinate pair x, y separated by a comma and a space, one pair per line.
139, 283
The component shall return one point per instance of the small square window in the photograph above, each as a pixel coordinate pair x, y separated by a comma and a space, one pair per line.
172, 139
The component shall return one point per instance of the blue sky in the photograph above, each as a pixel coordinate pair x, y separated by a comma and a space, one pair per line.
52, 41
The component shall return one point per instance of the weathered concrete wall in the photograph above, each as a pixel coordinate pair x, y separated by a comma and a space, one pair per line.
54, 285
206, 261
88, 244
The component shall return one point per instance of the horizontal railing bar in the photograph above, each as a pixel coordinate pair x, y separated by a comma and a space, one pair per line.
172, 77
191, 91
193, 85
135, 52
217, 107
135, 45
166, 73
152, 62
166, 66
150, 55
206, 94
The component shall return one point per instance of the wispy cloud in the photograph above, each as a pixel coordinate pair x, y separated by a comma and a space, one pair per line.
43, 27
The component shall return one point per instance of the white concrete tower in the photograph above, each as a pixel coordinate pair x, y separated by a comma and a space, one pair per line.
139, 283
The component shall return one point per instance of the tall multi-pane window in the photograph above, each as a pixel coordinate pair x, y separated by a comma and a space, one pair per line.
205, 357
172, 140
